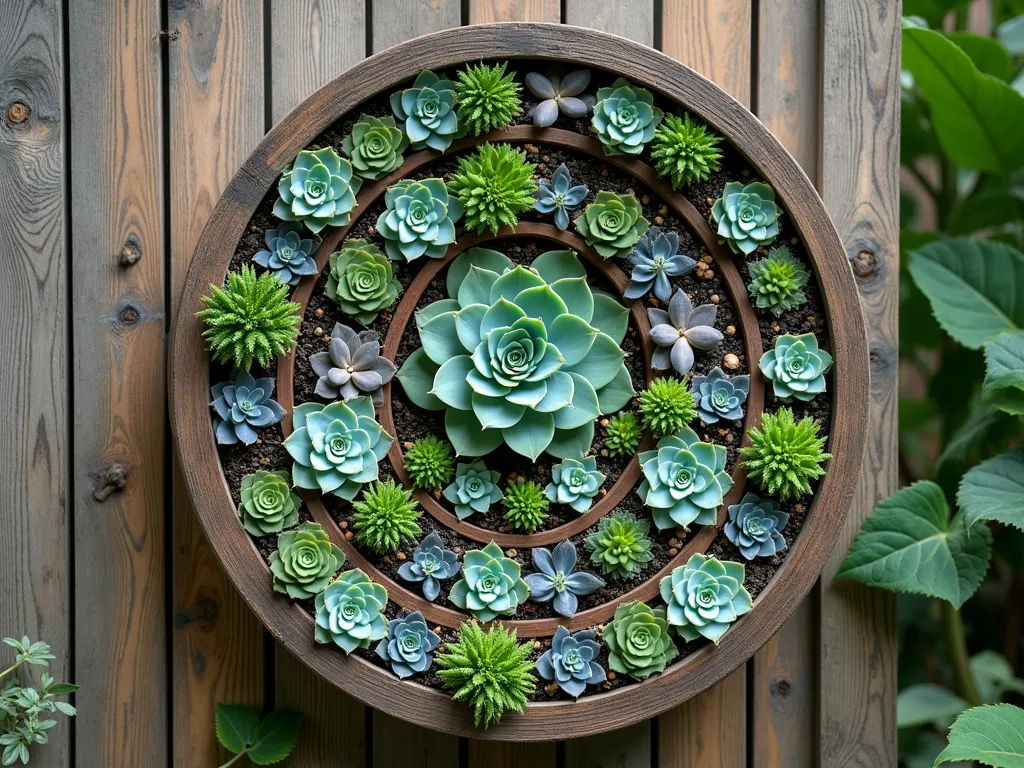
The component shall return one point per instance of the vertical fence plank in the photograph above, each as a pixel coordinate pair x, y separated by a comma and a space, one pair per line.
629, 18
216, 119
511, 754
709, 729
398, 743
860, 186
120, 408
487, 11
33, 380
395, 21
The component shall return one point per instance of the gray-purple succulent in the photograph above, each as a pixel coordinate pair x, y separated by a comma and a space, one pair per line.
571, 661
720, 396
559, 94
680, 330
352, 366
408, 645
431, 563
559, 196
243, 405
557, 581
655, 259
289, 255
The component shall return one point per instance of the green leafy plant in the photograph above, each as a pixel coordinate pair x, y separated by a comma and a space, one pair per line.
612, 224
490, 671
526, 506
638, 641
620, 545
747, 216
784, 455
375, 146
249, 320
777, 281
486, 98
318, 189
625, 118
493, 185
305, 561
667, 406
386, 516
685, 151
429, 462
490, 585
360, 280
268, 503
622, 435
265, 742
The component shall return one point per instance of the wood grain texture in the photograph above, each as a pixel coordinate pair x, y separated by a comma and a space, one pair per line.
510, 754
395, 21
119, 358
34, 380
625, 748
398, 743
860, 186
216, 118
708, 729
487, 11
712, 37
632, 19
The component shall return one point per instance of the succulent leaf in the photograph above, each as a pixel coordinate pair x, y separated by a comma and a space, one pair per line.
625, 118
704, 597
638, 641
349, 612
620, 545
317, 189
305, 561
685, 151
747, 216
796, 367
493, 185
361, 281
785, 455
427, 110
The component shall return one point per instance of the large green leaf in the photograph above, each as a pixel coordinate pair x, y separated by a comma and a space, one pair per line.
417, 379
992, 734
1004, 372
977, 118
993, 675
987, 54
909, 544
927, 703
236, 726
994, 490
932, 11
985, 430
278, 735
984, 211
976, 287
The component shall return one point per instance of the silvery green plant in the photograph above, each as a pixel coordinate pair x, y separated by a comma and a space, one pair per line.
427, 110
408, 645
796, 367
268, 503
318, 189
625, 118
336, 447
349, 612
375, 146
474, 489
419, 219
571, 661
720, 396
559, 93
243, 405
305, 561
361, 281
559, 196
490, 585
755, 526
684, 480
575, 483
655, 259
528, 357
612, 224
747, 216
638, 641
288, 255
704, 597
557, 581
680, 330
431, 563
352, 366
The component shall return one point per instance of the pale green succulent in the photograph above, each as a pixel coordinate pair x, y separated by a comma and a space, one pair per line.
575, 483
625, 118
612, 224
525, 356
796, 367
305, 561
375, 146
318, 189
704, 597
419, 219
268, 504
428, 111
638, 641
490, 586
475, 489
349, 612
747, 216
360, 281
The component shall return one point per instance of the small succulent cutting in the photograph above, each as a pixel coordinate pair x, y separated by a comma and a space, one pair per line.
427, 110
419, 219
318, 189
667, 406
375, 146
575, 483
486, 98
685, 151
431, 564
408, 645
559, 93
622, 435
655, 259
796, 367
559, 196
288, 255
684, 480
620, 545
474, 490
429, 463
755, 526
571, 661
349, 612
490, 585
386, 516
526, 506
625, 118
777, 281
494, 185
268, 504
361, 281
352, 366
638, 641
704, 597
720, 396
557, 581
243, 405
785, 455
612, 224
747, 216
304, 562
680, 330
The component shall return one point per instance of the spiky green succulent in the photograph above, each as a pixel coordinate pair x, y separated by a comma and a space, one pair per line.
490, 671
638, 641
427, 110
525, 356
785, 455
361, 281
386, 516
486, 98
685, 151
490, 585
625, 118
305, 561
419, 219
777, 281
623, 434
268, 504
249, 320
375, 146
747, 216
612, 224
620, 545
667, 406
318, 189
349, 612
526, 506
429, 463
494, 185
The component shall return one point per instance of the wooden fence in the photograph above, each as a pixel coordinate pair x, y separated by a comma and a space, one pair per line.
139, 113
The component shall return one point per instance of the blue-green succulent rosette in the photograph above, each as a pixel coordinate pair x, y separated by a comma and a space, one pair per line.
704, 597
318, 189
796, 367
720, 396
491, 585
428, 112
755, 526
288, 255
747, 216
528, 357
408, 645
684, 480
336, 447
625, 118
349, 612
571, 662
575, 483
419, 219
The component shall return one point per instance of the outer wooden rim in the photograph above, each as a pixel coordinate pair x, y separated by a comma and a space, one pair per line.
189, 379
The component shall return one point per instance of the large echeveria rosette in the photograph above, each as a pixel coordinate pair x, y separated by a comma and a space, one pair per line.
704, 597
419, 219
491, 585
318, 189
427, 110
525, 356
349, 612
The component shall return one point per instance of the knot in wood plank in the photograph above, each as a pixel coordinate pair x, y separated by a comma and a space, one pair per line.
18, 112
113, 478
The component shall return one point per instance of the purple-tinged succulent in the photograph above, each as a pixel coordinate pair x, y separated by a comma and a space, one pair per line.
559, 196
560, 94
243, 405
755, 526
720, 396
655, 259
289, 255
408, 645
570, 661
556, 579
352, 366
680, 330
431, 563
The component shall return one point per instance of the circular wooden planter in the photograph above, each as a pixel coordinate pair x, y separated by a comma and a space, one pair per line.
190, 380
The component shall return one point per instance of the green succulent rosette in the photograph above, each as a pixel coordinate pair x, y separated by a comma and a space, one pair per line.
490, 586
528, 357
704, 597
747, 216
375, 146
361, 281
305, 561
427, 110
796, 367
575, 483
612, 224
474, 490
349, 612
638, 641
318, 189
625, 118
336, 447
268, 504
419, 219
684, 480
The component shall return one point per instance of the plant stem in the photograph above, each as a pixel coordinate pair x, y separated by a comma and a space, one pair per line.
236, 758
956, 644
10, 669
